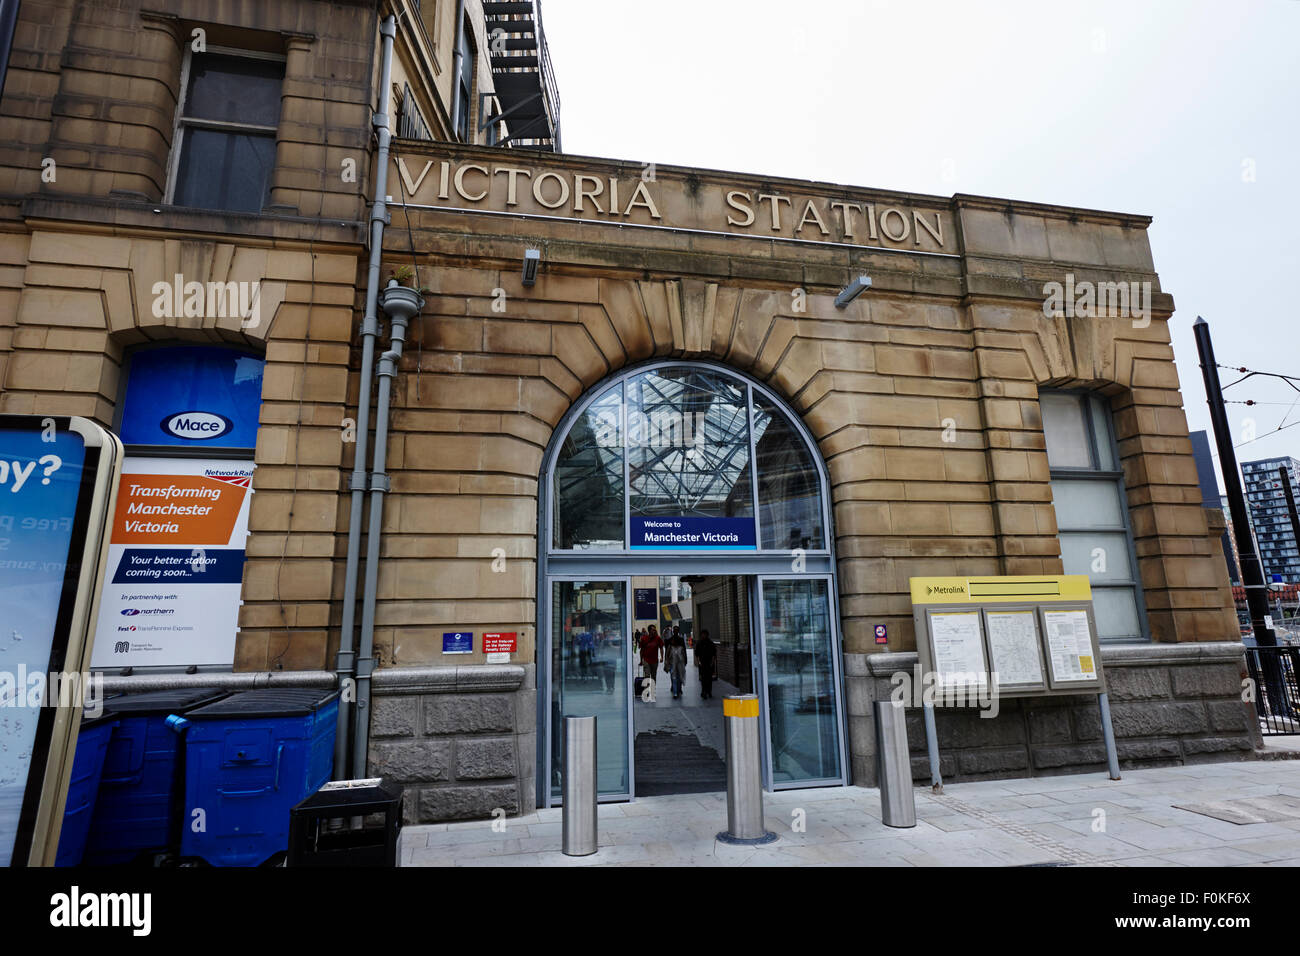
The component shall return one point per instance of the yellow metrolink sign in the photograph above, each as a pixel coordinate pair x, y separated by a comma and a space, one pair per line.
612, 192
1003, 588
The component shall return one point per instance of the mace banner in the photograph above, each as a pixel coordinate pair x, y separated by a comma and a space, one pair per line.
176, 559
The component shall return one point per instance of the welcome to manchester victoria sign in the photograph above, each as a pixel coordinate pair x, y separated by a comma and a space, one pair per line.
607, 191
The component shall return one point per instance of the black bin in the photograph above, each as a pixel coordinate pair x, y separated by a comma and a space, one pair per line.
313, 842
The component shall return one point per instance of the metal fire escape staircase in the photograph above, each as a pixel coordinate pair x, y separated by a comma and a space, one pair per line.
523, 77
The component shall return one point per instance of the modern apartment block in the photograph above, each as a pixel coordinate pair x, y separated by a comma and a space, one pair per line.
1272, 487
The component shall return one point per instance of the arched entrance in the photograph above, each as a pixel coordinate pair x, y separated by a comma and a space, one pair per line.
687, 469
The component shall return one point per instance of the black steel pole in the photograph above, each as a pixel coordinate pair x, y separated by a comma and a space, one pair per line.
1252, 572
1274, 699
1284, 473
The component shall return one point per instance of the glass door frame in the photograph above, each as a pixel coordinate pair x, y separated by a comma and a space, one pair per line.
759, 637
546, 685
625, 563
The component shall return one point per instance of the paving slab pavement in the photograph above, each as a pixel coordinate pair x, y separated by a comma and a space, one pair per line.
1078, 820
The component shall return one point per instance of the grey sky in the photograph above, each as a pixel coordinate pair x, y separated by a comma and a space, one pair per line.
1169, 109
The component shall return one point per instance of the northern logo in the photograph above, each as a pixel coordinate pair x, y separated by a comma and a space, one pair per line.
196, 425
130, 611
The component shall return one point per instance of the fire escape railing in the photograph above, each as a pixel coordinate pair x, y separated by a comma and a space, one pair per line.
522, 75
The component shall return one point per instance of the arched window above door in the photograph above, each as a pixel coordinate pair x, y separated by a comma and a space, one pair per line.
673, 457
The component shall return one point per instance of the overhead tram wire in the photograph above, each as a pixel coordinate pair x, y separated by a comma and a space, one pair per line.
1292, 380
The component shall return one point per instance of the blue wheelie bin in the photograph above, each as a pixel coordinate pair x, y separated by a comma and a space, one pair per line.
87, 766
139, 806
249, 759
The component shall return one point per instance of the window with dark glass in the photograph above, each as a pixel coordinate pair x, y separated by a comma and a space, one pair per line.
789, 485
225, 134
676, 442
1092, 509
464, 85
688, 445
588, 482
410, 121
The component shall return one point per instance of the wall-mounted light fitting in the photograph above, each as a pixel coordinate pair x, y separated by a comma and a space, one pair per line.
851, 291
532, 259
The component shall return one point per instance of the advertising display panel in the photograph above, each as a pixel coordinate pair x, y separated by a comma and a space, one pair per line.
189, 418
176, 561
56, 480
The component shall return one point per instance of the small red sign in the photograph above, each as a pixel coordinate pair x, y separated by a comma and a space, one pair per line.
496, 642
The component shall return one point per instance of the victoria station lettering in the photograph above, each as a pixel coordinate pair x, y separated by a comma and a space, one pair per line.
753, 212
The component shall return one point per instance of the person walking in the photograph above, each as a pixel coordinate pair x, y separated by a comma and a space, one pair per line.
675, 661
652, 646
706, 659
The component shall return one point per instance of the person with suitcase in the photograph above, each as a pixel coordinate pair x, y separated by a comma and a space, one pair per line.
652, 646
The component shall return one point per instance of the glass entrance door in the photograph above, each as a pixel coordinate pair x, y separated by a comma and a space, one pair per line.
591, 649
800, 671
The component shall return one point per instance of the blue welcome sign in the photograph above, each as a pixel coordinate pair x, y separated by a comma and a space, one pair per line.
692, 533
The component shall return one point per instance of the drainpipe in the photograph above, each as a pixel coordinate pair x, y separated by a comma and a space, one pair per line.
400, 304
457, 58
369, 332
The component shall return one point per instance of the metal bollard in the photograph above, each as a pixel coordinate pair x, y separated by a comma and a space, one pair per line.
579, 786
744, 773
897, 800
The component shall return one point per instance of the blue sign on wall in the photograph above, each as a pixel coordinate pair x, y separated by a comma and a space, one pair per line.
458, 642
40, 483
647, 604
192, 397
692, 533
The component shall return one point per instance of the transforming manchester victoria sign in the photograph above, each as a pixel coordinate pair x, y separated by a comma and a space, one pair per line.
670, 197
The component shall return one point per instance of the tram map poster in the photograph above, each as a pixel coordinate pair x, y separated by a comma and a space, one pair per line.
1014, 647
1069, 646
958, 649
175, 563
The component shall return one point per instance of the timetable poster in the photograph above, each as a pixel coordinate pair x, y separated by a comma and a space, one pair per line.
1069, 646
958, 649
1013, 645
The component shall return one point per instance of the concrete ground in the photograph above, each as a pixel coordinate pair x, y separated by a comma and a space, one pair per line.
1077, 820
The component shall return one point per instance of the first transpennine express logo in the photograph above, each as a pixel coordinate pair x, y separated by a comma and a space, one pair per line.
196, 426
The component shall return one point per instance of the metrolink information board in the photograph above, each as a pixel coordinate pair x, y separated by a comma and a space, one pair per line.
1035, 634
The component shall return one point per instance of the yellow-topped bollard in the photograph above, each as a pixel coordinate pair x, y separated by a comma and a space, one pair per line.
744, 773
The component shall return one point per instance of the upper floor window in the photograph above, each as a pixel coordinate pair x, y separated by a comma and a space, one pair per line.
464, 84
224, 146
410, 121
1092, 509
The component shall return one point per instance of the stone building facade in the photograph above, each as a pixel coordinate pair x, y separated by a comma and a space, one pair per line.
922, 395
